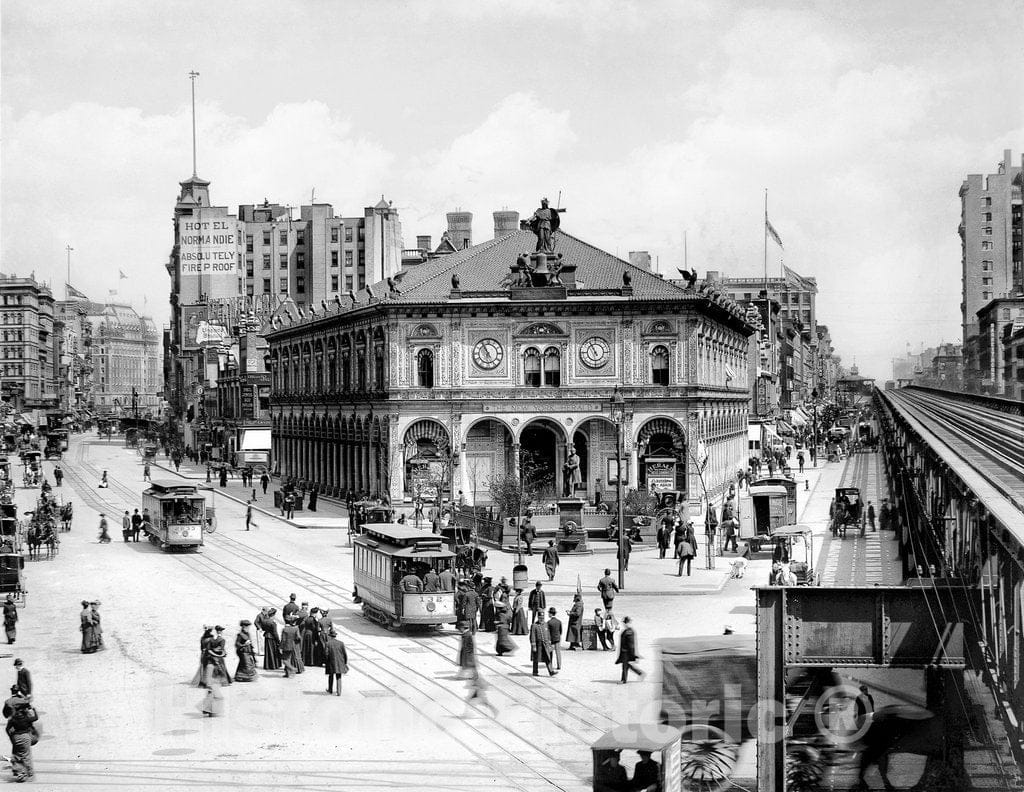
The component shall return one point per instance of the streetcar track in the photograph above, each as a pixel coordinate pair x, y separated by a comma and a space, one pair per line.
312, 582
286, 571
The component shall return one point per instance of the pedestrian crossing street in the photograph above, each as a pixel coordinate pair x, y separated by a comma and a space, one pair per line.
872, 559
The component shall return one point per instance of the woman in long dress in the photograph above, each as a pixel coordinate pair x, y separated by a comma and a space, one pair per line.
574, 632
312, 648
216, 659
503, 643
271, 643
520, 625
199, 680
246, 671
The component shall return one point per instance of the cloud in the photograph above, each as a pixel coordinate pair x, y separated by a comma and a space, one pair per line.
104, 180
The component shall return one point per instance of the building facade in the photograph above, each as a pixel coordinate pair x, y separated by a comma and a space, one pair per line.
461, 374
125, 361
992, 259
28, 344
997, 364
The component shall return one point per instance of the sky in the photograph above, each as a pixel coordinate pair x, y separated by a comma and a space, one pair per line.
653, 120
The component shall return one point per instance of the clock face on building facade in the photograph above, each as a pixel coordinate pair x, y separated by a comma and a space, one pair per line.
594, 352
487, 353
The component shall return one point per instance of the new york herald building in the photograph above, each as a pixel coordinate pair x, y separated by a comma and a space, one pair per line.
466, 365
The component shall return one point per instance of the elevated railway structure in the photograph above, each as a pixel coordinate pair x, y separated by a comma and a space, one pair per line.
955, 466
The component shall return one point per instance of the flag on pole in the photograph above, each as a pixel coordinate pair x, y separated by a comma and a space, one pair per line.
772, 232
73, 292
123, 276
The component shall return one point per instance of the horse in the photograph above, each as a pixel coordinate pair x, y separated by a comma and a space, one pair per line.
469, 559
51, 541
34, 540
899, 728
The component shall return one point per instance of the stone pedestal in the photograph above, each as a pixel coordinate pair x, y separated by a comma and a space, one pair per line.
570, 523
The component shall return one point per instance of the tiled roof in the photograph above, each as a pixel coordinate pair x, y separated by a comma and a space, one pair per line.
485, 268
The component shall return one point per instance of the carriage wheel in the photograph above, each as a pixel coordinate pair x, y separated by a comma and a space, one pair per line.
707, 758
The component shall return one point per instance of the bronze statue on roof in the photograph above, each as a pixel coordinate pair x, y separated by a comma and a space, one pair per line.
544, 223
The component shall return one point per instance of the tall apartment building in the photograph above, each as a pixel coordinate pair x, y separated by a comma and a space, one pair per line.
991, 254
125, 361
74, 373
27, 343
229, 270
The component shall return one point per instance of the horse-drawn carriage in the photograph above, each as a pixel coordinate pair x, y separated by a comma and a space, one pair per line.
10, 526
847, 511
32, 460
42, 528
12, 576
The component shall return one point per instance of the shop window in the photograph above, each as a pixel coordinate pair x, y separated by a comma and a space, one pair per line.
552, 368
425, 368
659, 365
531, 368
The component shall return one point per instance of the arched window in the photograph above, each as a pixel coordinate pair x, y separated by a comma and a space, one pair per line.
332, 372
552, 367
284, 375
531, 368
425, 368
320, 372
659, 365
361, 370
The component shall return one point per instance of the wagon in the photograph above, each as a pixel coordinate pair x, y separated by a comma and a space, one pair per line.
12, 576
846, 511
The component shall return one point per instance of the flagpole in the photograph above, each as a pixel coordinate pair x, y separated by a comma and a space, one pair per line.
67, 283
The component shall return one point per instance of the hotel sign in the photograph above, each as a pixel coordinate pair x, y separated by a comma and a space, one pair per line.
208, 247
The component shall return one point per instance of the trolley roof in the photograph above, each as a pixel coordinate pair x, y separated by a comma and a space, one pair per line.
403, 540
170, 487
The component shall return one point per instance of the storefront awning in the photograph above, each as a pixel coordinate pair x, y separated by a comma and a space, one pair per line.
255, 440
796, 418
784, 428
25, 419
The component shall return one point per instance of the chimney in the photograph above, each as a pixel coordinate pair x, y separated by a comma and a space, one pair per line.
505, 222
423, 242
640, 258
460, 229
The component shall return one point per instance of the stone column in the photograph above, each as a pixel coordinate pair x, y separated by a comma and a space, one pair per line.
515, 460
396, 460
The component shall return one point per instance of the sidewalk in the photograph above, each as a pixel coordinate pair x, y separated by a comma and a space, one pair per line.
329, 512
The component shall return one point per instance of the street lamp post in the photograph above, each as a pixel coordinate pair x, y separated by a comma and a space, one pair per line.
618, 415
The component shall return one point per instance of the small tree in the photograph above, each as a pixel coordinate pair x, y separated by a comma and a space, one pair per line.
513, 495
640, 503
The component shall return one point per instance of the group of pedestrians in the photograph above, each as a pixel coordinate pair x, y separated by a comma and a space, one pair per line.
674, 532
307, 639
132, 525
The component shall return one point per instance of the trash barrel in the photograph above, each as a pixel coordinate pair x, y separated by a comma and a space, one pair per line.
277, 499
520, 577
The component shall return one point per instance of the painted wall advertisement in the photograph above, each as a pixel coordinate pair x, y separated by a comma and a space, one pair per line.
208, 253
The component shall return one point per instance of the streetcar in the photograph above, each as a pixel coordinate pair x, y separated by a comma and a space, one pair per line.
385, 553
179, 516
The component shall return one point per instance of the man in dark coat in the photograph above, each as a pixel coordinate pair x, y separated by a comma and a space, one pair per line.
290, 608
871, 516
540, 645
536, 603
550, 559
622, 552
126, 525
529, 534
627, 650
555, 631
24, 680
10, 619
335, 661
609, 588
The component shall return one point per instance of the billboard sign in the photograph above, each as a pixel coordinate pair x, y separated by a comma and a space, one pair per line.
208, 252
